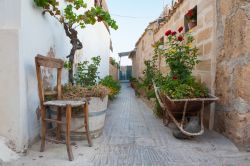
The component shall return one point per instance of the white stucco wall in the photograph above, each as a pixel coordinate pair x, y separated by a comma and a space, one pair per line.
24, 33
37, 35
9, 69
96, 42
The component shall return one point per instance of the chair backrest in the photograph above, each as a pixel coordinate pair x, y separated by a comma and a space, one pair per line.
42, 61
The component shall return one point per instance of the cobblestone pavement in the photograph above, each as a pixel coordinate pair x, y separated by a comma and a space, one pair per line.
134, 136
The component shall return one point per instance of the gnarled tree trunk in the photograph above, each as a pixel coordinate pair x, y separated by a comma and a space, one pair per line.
76, 45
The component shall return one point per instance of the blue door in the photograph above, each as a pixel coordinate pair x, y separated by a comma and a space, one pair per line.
125, 73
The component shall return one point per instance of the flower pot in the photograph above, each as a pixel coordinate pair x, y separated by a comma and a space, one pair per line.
192, 24
97, 115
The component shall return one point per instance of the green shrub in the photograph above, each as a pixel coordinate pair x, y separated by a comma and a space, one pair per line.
177, 89
113, 85
150, 94
87, 74
150, 71
158, 111
113, 62
181, 56
132, 79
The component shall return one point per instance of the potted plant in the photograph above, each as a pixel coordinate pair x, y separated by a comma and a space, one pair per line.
191, 18
86, 86
179, 92
97, 96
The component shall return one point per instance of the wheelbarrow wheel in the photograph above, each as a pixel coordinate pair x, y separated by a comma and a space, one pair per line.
192, 126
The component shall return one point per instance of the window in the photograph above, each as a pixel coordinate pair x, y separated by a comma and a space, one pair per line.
190, 19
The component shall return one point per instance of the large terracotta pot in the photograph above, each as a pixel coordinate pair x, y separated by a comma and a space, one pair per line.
97, 115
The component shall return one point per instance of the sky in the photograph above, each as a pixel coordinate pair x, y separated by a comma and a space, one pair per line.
132, 17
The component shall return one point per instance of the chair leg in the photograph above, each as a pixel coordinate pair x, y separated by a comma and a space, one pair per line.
43, 128
86, 123
68, 123
59, 126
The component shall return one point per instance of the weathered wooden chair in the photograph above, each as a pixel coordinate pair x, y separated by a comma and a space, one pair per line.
61, 105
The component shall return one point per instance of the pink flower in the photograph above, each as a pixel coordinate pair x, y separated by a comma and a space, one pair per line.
180, 29
168, 32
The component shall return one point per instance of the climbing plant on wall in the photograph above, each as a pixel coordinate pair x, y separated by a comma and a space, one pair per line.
73, 14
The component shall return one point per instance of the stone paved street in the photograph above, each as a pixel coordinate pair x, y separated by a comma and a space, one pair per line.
134, 136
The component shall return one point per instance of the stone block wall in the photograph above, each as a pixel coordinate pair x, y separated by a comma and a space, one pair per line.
113, 71
144, 50
233, 70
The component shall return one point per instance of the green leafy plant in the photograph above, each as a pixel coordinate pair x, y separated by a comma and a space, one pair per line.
180, 54
87, 73
72, 15
158, 111
181, 57
150, 94
149, 72
146, 85
113, 85
177, 89
133, 79
113, 62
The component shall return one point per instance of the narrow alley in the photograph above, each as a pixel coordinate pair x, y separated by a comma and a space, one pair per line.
134, 136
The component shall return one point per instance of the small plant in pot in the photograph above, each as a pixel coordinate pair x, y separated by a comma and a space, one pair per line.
86, 87
86, 81
179, 92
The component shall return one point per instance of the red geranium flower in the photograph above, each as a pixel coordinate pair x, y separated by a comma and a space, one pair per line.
168, 32
175, 78
190, 13
180, 38
173, 33
180, 29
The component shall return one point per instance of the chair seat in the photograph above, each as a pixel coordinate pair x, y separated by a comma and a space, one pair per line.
64, 103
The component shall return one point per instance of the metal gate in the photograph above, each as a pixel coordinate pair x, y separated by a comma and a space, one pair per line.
125, 73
